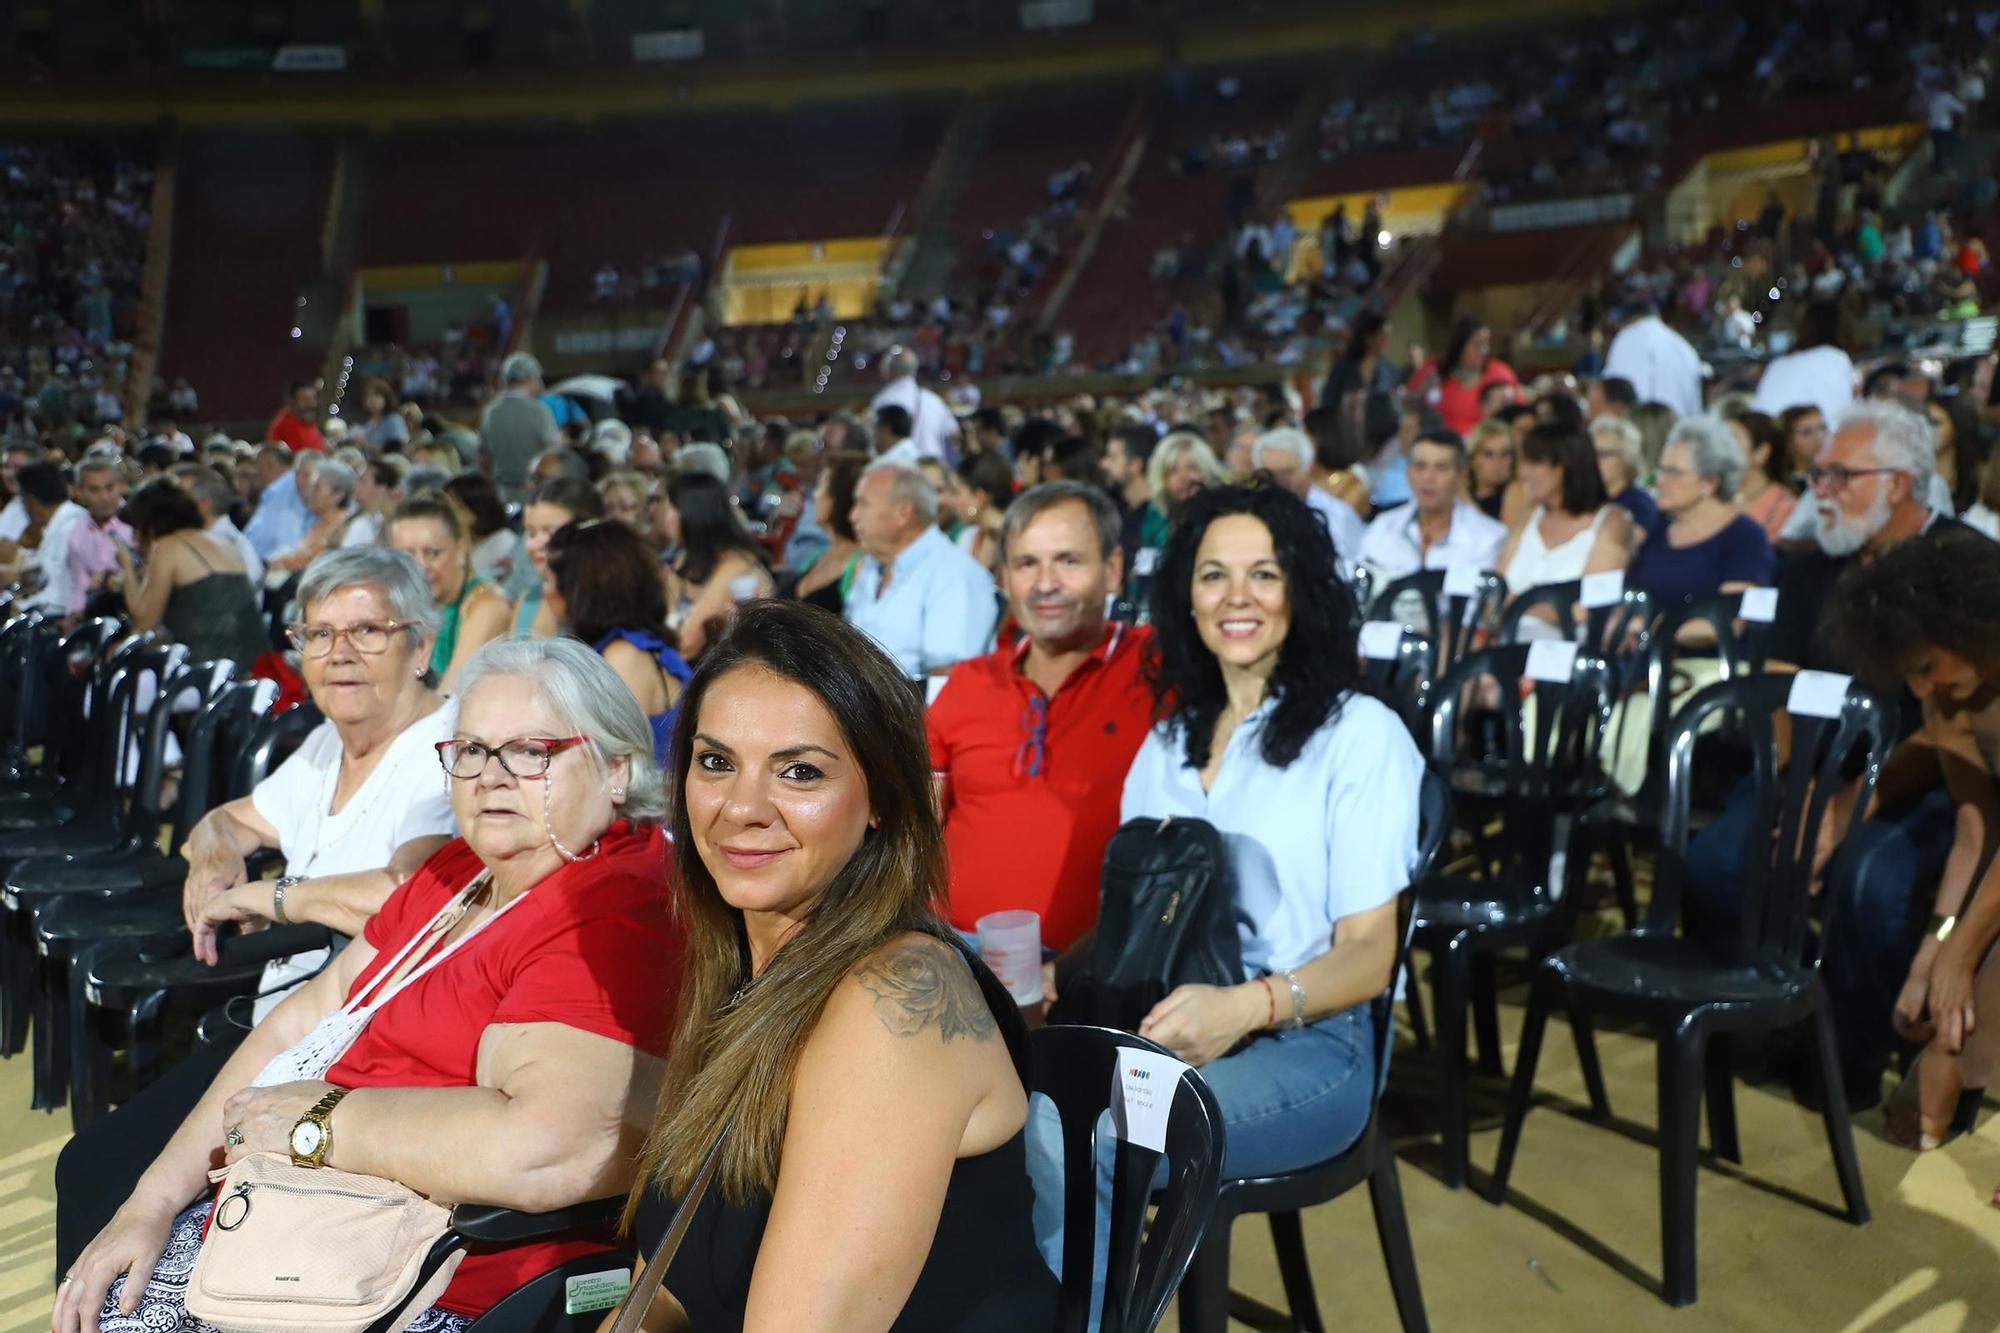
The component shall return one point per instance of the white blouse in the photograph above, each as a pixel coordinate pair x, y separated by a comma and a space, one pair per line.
1329, 836
403, 797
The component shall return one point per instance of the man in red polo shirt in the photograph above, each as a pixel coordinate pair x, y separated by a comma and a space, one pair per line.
296, 426
1030, 744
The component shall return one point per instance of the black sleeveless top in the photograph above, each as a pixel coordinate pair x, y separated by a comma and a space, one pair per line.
983, 1274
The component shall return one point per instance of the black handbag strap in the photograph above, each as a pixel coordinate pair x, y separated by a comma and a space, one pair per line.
632, 1310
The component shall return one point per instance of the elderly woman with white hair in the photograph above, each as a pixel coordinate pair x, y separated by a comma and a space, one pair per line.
1621, 459
1288, 457
353, 811
1703, 544
512, 1006
330, 503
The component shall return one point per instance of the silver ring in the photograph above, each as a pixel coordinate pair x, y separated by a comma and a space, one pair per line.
233, 1136
67, 1279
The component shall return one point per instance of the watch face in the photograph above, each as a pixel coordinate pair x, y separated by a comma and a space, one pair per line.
306, 1138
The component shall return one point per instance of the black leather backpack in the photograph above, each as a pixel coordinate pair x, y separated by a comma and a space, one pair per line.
1167, 918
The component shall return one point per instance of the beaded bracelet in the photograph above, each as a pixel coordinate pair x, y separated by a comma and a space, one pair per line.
1298, 999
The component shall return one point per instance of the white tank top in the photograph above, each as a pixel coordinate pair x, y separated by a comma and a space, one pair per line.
1535, 564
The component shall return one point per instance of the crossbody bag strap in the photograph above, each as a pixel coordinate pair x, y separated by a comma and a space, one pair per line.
378, 986
639, 1300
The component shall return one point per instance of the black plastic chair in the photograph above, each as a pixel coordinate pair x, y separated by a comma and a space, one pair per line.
538, 1305
1605, 629
1691, 994
1619, 822
56, 672
83, 815
23, 636
1455, 623
1404, 681
1543, 774
121, 989
1075, 1067
1207, 1303
64, 697
131, 888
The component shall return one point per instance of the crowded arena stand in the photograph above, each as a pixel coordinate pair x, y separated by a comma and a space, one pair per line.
878, 667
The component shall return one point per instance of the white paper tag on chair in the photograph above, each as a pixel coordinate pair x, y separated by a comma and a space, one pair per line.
1818, 694
1759, 604
1461, 580
1551, 660
1142, 1096
1145, 560
1381, 640
1606, 589
933, 687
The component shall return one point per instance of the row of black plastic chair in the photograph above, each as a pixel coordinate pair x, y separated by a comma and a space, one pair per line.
1546, 780
82, 869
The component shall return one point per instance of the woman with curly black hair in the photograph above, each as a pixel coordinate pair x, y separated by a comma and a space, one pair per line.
1925, 617
1264, 730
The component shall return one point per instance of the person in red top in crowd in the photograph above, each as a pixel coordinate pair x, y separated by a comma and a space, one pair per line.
297, 424
1030, 744
517, 999
1462, 376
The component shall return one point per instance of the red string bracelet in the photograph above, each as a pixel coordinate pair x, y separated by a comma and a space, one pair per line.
1270, 1002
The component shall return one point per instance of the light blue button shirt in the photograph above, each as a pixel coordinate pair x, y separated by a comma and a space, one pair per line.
940, 607
1328, 836
281, 519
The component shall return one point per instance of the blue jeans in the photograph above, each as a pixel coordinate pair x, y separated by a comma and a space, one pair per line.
1288, 1100
1875, 883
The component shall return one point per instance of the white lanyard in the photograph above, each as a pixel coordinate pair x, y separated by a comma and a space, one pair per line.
330, 1039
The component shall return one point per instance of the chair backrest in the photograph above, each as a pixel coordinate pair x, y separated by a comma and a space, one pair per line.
1076, 1068
1736, 647
208, 754
1826, 753
1741, 645
119, 704
21, 638
1453, 622
1548, 762
270, 743
1605, 628
66, 672
1404, 680
206, 680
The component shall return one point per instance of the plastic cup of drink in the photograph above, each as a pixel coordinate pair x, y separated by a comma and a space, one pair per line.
1011, 944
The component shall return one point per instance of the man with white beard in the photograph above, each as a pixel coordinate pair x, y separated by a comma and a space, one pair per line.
1869, 485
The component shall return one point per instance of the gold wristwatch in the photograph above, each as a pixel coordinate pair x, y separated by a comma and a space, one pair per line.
312, 1136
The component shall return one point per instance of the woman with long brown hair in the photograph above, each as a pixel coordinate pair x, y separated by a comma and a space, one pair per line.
824, 1000
434, 531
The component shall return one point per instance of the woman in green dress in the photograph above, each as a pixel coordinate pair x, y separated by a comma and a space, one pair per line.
193, 586
433, 531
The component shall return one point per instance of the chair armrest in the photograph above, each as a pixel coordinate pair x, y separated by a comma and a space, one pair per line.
263, 859
166, 947
266, 946
504, 1226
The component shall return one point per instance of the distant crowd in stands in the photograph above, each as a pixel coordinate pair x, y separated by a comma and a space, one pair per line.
73, 227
